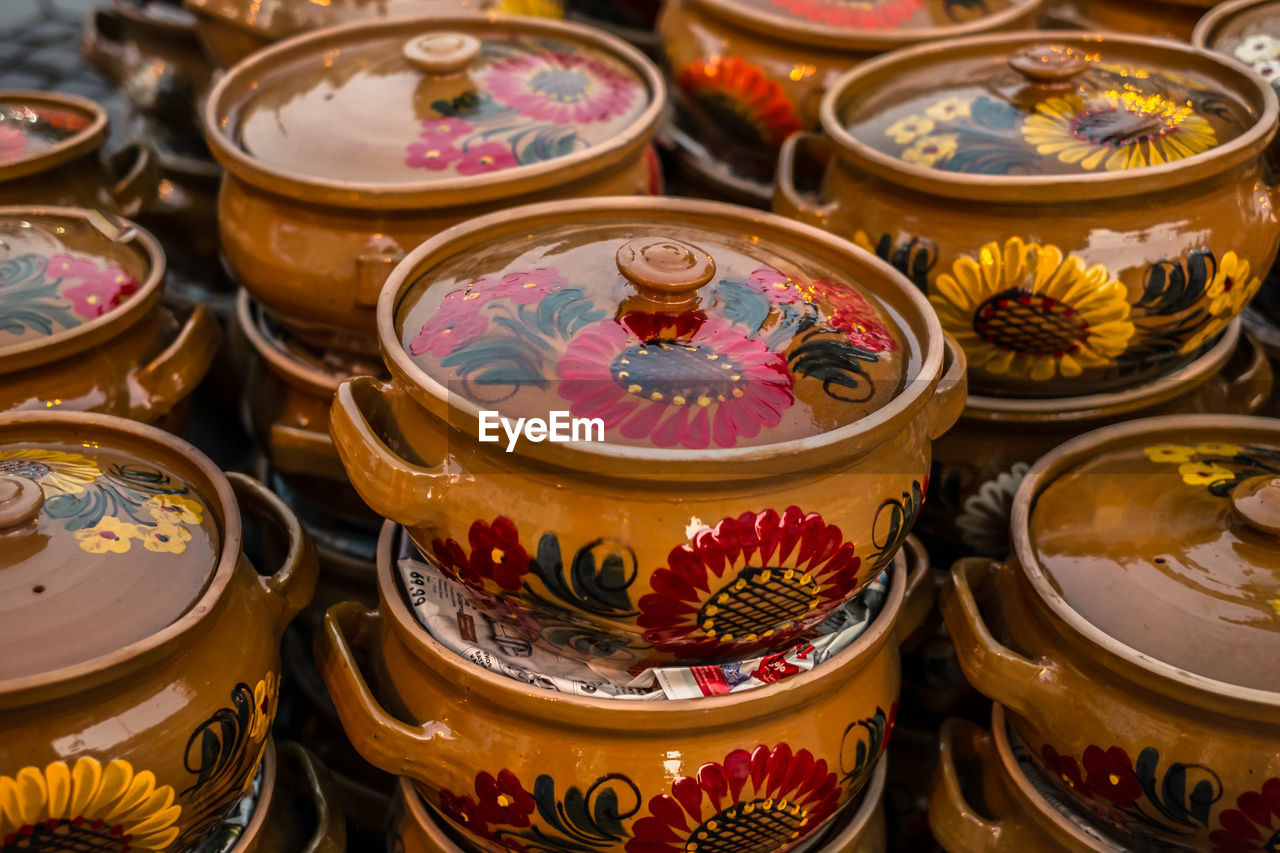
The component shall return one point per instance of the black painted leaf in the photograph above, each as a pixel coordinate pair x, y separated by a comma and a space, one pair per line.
607, 587
575, 810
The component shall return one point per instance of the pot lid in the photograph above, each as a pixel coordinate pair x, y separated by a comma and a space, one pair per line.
36, 125
1165, 535
1038, 105
108, 536
66, 274
1247, 31
676, 324
918, 18
440, 100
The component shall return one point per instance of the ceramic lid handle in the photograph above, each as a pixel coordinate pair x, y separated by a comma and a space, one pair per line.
1048, 63
666, 271
20, 501
1257, 503
442, 53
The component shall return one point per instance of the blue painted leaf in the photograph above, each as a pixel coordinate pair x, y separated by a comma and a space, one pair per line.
743, 305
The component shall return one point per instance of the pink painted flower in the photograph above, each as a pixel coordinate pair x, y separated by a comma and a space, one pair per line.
716, 385
97, 296
526, 288
443, 130
13, 143
434, 155
486, 157
457, 322
562, 88
69, 266
852, 314
778, 286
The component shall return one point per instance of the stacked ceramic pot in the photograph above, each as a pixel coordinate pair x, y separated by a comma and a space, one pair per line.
747, 74
1092, 271
764, 397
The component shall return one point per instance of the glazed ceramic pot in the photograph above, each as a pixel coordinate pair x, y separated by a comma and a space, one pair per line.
147, 726
1011, 177
631, 20
51, 153
232, 30
445, 122
416, 828
748, 74
979, 463
763, 770
1028, 817
1267, 334
81, 327
150, 49
1139, 606
761, 379
1174, 19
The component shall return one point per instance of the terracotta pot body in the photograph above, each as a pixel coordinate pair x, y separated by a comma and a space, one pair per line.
231, 30
415, 828
184, 218
1173, 20
1157, 751
1024, 818
173, 715
830, 725
971, 226
292, 776
64, 165
979, 463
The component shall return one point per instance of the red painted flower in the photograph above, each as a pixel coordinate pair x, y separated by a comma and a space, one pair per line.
858, 14
1063, 767
99, 291
496, 557
503, 800
561, 88
436, 156
761, 801
486, 157
13, 143
749, 582
852, 314
740, 99
714, 385
1110, 775
1253, 826
464, 812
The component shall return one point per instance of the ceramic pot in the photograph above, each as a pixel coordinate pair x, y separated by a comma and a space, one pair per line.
232, 30
979, 463
1267, 335
415, 828
626, 763
824, 369
1169, 740
1063, 263
146, 726
1027, 817
633, 21
150, 49
51, 153
749, 74
1172, 19
82, 326
693, 172
312, 231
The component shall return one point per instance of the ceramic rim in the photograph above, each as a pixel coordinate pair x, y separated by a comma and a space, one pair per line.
1231, 75
1207, 27
67, 149
221, 121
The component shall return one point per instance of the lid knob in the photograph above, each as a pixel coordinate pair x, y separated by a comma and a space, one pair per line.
665, 270
1257, 502
1048, 63
442, 53
20, 501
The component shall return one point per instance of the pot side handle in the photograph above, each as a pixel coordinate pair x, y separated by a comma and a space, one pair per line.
787, 198
922, 590
316, 785
955, 823
133, 179
949, 398
1250, 389
998, 672
392, 486
291, 587
180, 367
295, 450
381, 739
101, 43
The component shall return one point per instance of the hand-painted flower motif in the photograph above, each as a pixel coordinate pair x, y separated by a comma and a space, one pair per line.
948, 109
1269, 70
929, 150
1109, 774
1117, 130
854, 315
86, 806
497, 558
436, 156
1170, 453
266, 697
908, 129
1253, 826
443, 131
533, 8
1204, 473
164, 537
1232, 287
56, 471
747, 583
1219, 465
1064, 768
13, 143
526, 288
1025, 310
561, 88
741, 99
855, 14
175, 509
983, 521
503, 800
760, 801
716, 385
1256, 48
459, 320
464, 812
482, 157
109, 536
778, 286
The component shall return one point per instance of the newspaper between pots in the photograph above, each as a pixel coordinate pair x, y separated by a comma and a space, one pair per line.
459, 625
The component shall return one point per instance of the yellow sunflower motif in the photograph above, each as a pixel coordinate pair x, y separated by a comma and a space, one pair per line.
1117, 130
1204, 473
1024, 310
1232, 287
165, 538
907, 129
266, 695
175, 509
1170, 453
86, 807
55, 470
110, 535
950, 108
928, 150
